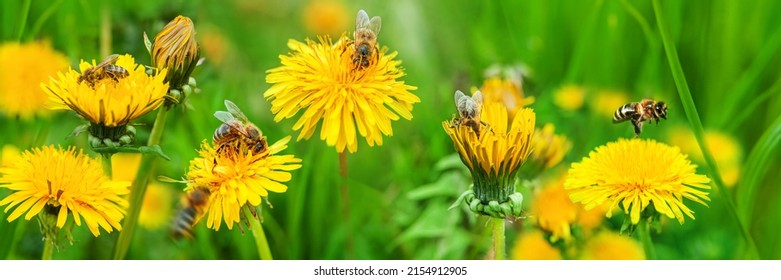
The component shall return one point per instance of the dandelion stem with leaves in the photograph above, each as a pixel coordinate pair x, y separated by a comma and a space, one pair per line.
257, 232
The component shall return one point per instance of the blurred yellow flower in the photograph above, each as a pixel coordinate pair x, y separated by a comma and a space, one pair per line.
495, 157
320, 79
548, 148
606, 102
214, 45
554, 212
58, 181
532, 245
507, 92
109, 103
569, 97
725, 149
326, 17
237, 178
24, 67
608, 245
9, 154
156, 208
621, 174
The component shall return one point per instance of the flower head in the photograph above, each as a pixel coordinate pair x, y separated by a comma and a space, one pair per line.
507, 92
532, 245
325, 17
605, 102
548, 149
495, 157
110, 103
176, 50
729, 155
58, 181
569, 97
237, 178
24, 67
635, 174
320, 78
608, 245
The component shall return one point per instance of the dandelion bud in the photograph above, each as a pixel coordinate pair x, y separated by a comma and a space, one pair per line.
548, 150
175, 49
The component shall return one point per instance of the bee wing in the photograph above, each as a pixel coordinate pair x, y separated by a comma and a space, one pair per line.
459, 95
224, 117
362, 20
375, 24
108, 60
235, 111
478, 98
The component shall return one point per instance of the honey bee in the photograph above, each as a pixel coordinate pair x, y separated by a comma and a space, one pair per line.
193, 207
237, 127
639, 112
469, 110
365, 36
104, 70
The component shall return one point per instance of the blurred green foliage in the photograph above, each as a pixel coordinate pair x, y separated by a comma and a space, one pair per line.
400, 192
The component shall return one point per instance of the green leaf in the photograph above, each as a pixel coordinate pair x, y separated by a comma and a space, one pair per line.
756, 168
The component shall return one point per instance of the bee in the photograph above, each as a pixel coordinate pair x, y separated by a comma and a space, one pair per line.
193, 207
104, 70
469, 110
365, 36
639, 112
237, 127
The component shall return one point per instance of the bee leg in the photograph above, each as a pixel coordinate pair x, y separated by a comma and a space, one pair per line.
638, 124
455, 122
491, 129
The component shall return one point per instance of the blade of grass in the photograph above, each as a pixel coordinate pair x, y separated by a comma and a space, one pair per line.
581, 47
23, 19
42, 19
752, 107
756, 168
694, 121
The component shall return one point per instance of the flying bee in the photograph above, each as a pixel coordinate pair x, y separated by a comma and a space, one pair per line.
639, 112
237, 127
193, 207
469, 110
365, 37
104, 70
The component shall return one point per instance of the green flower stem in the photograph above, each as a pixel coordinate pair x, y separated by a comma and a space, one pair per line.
260, 236
694, 121
498, 233
23, 19
138, 189
48, 249
107, 165
345, 194
644, 233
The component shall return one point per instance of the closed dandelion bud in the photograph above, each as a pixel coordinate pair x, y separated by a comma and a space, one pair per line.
548, 150
175, 49
494, 158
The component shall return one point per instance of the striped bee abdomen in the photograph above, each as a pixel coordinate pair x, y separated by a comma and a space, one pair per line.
625, 112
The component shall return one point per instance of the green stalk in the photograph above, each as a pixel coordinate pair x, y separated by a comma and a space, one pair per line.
48, 249
42, 19
260, 236
23, 19
138, 188
107, 165
694, 121
644, 234
498, 234
581, 51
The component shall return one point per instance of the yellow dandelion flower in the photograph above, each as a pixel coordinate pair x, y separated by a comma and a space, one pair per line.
60, 181
608, 245
590, 219
554, 212
548, 148
176, 50
605, 102
325, 17
726, 150
507, 92
109, 103
620, 173
494, 158
569, 97
24, 67
532, 245
9, 154
156, 208
214, 45
235, 179
320, 79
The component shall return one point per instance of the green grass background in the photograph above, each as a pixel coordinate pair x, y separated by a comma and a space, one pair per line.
400, 192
